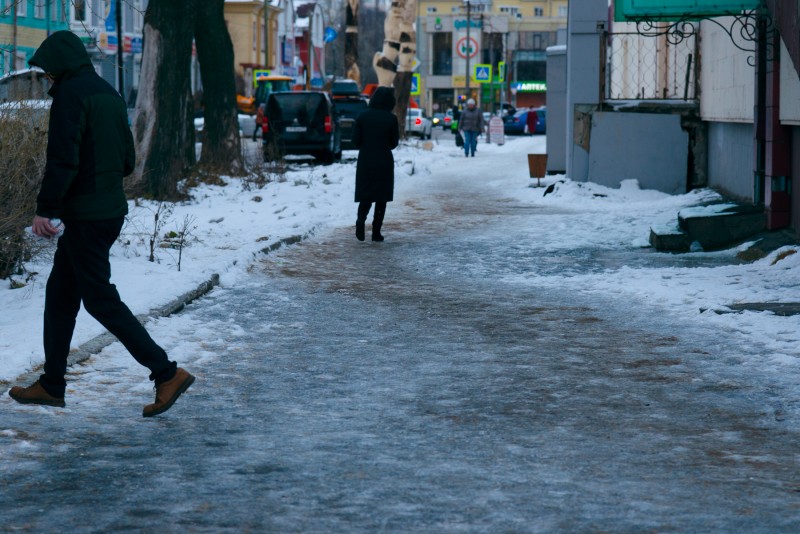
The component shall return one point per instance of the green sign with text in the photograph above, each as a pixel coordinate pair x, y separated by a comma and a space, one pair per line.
630, 10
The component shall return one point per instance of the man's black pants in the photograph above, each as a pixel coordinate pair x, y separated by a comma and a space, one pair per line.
82, 273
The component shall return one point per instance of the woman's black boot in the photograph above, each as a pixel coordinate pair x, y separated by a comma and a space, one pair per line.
377, 220
376, 232
360, 233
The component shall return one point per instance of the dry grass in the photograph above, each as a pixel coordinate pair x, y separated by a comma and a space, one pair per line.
23, 143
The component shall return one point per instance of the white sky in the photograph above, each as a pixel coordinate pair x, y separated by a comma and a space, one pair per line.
232, 226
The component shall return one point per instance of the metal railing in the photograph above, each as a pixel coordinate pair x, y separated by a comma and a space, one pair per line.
639, 67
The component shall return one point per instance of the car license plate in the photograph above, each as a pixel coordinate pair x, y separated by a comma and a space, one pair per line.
295, 128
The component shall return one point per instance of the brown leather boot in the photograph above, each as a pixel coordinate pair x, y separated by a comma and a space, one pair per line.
35, 394
168, 392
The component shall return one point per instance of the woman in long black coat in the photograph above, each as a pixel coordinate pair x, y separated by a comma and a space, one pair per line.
376, 134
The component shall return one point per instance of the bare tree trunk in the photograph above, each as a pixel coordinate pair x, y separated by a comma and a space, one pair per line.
405, 66
221, 143
162, 123
351, 42
399, 44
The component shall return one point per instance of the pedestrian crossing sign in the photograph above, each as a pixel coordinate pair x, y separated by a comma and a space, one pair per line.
257, 73
415, 89
482, 73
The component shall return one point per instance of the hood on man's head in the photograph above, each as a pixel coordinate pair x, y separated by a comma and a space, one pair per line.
383, 98
61, 53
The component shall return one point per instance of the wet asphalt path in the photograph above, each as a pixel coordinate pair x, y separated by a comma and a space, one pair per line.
409, 387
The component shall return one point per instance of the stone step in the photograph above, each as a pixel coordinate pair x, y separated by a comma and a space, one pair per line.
720, 225
709, 227
670, 239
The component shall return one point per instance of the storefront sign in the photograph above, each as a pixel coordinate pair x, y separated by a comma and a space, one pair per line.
529, 87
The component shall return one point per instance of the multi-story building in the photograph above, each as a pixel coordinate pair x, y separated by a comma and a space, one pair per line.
506, 38
257, 45
24, 24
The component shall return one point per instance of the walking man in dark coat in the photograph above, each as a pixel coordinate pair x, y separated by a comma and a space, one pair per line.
375, 134
89, 150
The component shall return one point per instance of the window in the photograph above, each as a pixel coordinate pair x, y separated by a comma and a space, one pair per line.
442, 54
263, 39
511, 10
563, 11
138, 16
79, 12
255, 36
431, 10
38, 9
5, 61
22, 8
5, 11
538, 12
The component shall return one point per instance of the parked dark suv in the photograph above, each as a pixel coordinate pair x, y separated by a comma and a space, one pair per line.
301, 122
348, 109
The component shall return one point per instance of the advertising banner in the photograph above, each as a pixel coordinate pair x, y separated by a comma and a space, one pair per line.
463, 47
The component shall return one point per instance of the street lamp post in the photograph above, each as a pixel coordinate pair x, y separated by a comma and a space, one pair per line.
120, 63
266, 34
469, 45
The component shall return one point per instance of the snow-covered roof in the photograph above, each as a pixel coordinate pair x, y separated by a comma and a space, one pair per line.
20, 72
273, 3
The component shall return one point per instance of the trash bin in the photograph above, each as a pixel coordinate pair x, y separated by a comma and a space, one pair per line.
537, 166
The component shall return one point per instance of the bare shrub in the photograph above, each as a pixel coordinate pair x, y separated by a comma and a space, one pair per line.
23, 143
272, 168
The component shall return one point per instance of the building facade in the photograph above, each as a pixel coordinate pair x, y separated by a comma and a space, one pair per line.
261, 42
489, 50
310, 39
24, 24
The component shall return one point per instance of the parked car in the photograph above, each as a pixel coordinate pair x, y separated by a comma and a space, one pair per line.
301, 122
515, 124
418, 123
346, 88
541, 124
347, 109
448, 119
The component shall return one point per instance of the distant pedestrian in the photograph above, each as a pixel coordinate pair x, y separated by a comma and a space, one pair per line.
531, 121
89, 150
259, 120
471, 124
456, 116
375, 135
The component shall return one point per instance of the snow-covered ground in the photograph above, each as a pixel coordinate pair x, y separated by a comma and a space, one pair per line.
231, 224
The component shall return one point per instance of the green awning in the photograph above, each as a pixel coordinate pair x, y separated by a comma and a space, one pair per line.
671, 10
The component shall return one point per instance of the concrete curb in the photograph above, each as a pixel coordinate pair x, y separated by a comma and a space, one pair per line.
98, 343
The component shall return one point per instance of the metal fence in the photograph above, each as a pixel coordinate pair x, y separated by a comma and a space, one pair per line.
639, 67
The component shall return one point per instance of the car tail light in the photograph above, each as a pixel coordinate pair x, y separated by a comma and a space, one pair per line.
265, 126
328, 124
418, 121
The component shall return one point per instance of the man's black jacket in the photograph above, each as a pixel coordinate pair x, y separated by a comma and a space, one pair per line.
89, 144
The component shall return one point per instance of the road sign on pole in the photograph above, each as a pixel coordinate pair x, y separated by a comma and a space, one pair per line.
482, 73
257, 73
415, 84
